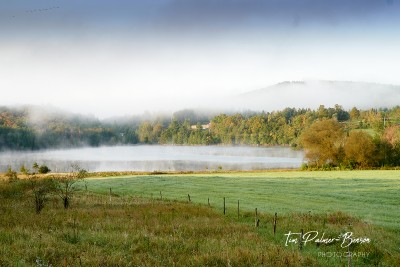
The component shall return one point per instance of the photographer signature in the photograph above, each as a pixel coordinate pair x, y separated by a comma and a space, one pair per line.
345, 239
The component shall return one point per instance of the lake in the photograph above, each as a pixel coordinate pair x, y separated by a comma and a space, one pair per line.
158, 158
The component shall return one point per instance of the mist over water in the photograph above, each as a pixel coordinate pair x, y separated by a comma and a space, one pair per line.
157, 158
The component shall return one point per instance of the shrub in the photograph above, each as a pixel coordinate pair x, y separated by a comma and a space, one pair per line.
23, 169
11, 175
43, 169
35, 166
40, 189
65, 189
82, 173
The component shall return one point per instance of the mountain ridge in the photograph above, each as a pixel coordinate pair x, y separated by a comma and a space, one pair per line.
312, 93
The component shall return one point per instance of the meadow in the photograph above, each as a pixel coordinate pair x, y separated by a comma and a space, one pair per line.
372, 196
136, 226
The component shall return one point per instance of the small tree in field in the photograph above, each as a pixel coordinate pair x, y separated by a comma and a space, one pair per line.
24, 170
42, 169
11, 174
35, 166
40, 189
66, 184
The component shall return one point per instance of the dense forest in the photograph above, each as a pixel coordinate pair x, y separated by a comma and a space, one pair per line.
31, 128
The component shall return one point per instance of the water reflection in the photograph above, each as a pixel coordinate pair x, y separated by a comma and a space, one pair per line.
158, 158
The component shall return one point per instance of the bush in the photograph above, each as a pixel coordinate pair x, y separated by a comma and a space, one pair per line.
23, 169
11, 175
40, 189
82, 173
43, 169
304, 166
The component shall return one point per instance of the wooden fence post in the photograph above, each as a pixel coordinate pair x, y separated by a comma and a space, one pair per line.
275, 219
238, 210
208, 201
256, 220
224, 207
189, 197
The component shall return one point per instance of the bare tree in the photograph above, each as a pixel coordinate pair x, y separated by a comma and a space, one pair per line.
66, 185
40, 189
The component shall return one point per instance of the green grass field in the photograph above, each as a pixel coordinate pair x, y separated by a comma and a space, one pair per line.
142, 232
372, 196
136, 228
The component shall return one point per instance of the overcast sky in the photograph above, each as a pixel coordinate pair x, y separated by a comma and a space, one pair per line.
124, 57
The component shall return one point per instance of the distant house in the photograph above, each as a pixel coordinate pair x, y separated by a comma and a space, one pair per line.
206, 126
203, 126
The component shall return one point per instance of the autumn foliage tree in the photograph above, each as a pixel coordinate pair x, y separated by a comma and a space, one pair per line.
359, 149
391, 140
323, 142
392, 135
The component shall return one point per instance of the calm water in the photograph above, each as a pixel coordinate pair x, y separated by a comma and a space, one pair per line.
158, 158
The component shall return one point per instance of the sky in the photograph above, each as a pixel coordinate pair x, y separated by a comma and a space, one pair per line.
121, 57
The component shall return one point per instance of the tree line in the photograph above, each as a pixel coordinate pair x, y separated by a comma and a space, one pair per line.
285, 127
19, 131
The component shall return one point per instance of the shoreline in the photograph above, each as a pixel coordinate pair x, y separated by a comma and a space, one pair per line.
149, 173
139, 173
